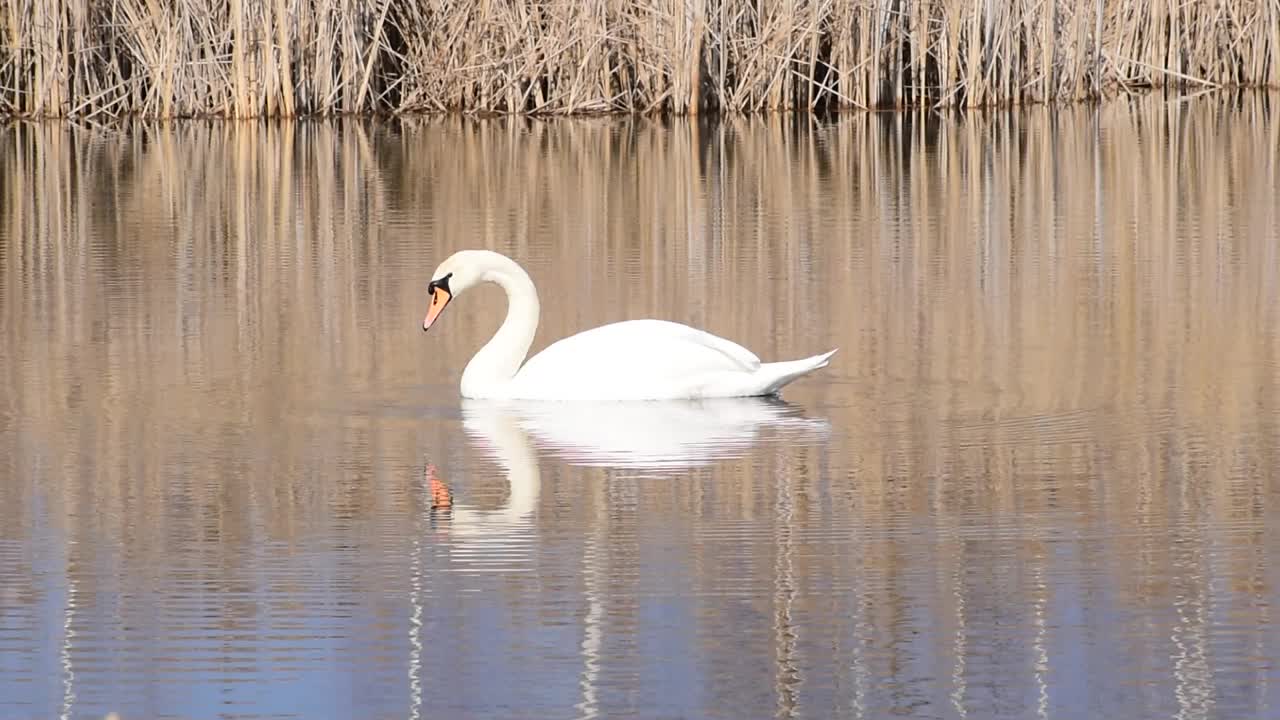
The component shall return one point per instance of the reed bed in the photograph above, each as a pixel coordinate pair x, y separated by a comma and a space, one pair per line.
283, 58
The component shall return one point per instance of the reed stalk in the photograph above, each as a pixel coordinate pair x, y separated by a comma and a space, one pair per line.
281, 58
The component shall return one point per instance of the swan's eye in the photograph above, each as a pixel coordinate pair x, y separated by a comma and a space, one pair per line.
442, 283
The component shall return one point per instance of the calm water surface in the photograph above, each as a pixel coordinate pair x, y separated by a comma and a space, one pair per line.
1038, 480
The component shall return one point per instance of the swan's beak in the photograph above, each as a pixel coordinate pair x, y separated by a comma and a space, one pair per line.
439, 298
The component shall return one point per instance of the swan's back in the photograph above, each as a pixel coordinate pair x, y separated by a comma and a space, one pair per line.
635, 359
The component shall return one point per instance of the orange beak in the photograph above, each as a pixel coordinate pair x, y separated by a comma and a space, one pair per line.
439, 298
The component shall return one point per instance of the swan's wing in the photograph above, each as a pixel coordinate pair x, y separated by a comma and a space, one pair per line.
652, 354
648, 342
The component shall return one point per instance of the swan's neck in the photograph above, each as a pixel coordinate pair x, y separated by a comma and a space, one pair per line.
498, 425
498, 361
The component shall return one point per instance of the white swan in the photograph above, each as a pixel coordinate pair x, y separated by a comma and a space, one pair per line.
631, 360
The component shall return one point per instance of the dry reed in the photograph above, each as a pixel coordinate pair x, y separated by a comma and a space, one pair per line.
268, 58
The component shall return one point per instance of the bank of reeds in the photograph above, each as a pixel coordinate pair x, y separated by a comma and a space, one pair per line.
253, 58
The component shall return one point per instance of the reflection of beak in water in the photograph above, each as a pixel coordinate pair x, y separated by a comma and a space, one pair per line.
441, 495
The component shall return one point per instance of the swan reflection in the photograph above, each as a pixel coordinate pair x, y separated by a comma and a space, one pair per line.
491, 539
663, 436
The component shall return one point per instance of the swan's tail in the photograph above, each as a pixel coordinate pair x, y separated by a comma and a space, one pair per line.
775, 375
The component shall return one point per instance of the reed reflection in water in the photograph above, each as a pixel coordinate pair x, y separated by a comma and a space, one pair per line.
1037, 481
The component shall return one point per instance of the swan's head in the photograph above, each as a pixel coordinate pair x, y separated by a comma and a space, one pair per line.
461, 271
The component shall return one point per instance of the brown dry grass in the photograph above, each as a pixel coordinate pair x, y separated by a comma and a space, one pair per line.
255, 58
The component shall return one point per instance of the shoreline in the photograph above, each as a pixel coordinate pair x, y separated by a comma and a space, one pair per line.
1226, 95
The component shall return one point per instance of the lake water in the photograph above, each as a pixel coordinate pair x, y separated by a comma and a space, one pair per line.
1040, 478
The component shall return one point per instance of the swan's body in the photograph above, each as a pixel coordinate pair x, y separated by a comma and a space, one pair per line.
630, 360
649, 360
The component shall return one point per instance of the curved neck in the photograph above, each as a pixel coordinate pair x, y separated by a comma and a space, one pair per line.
498, 361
